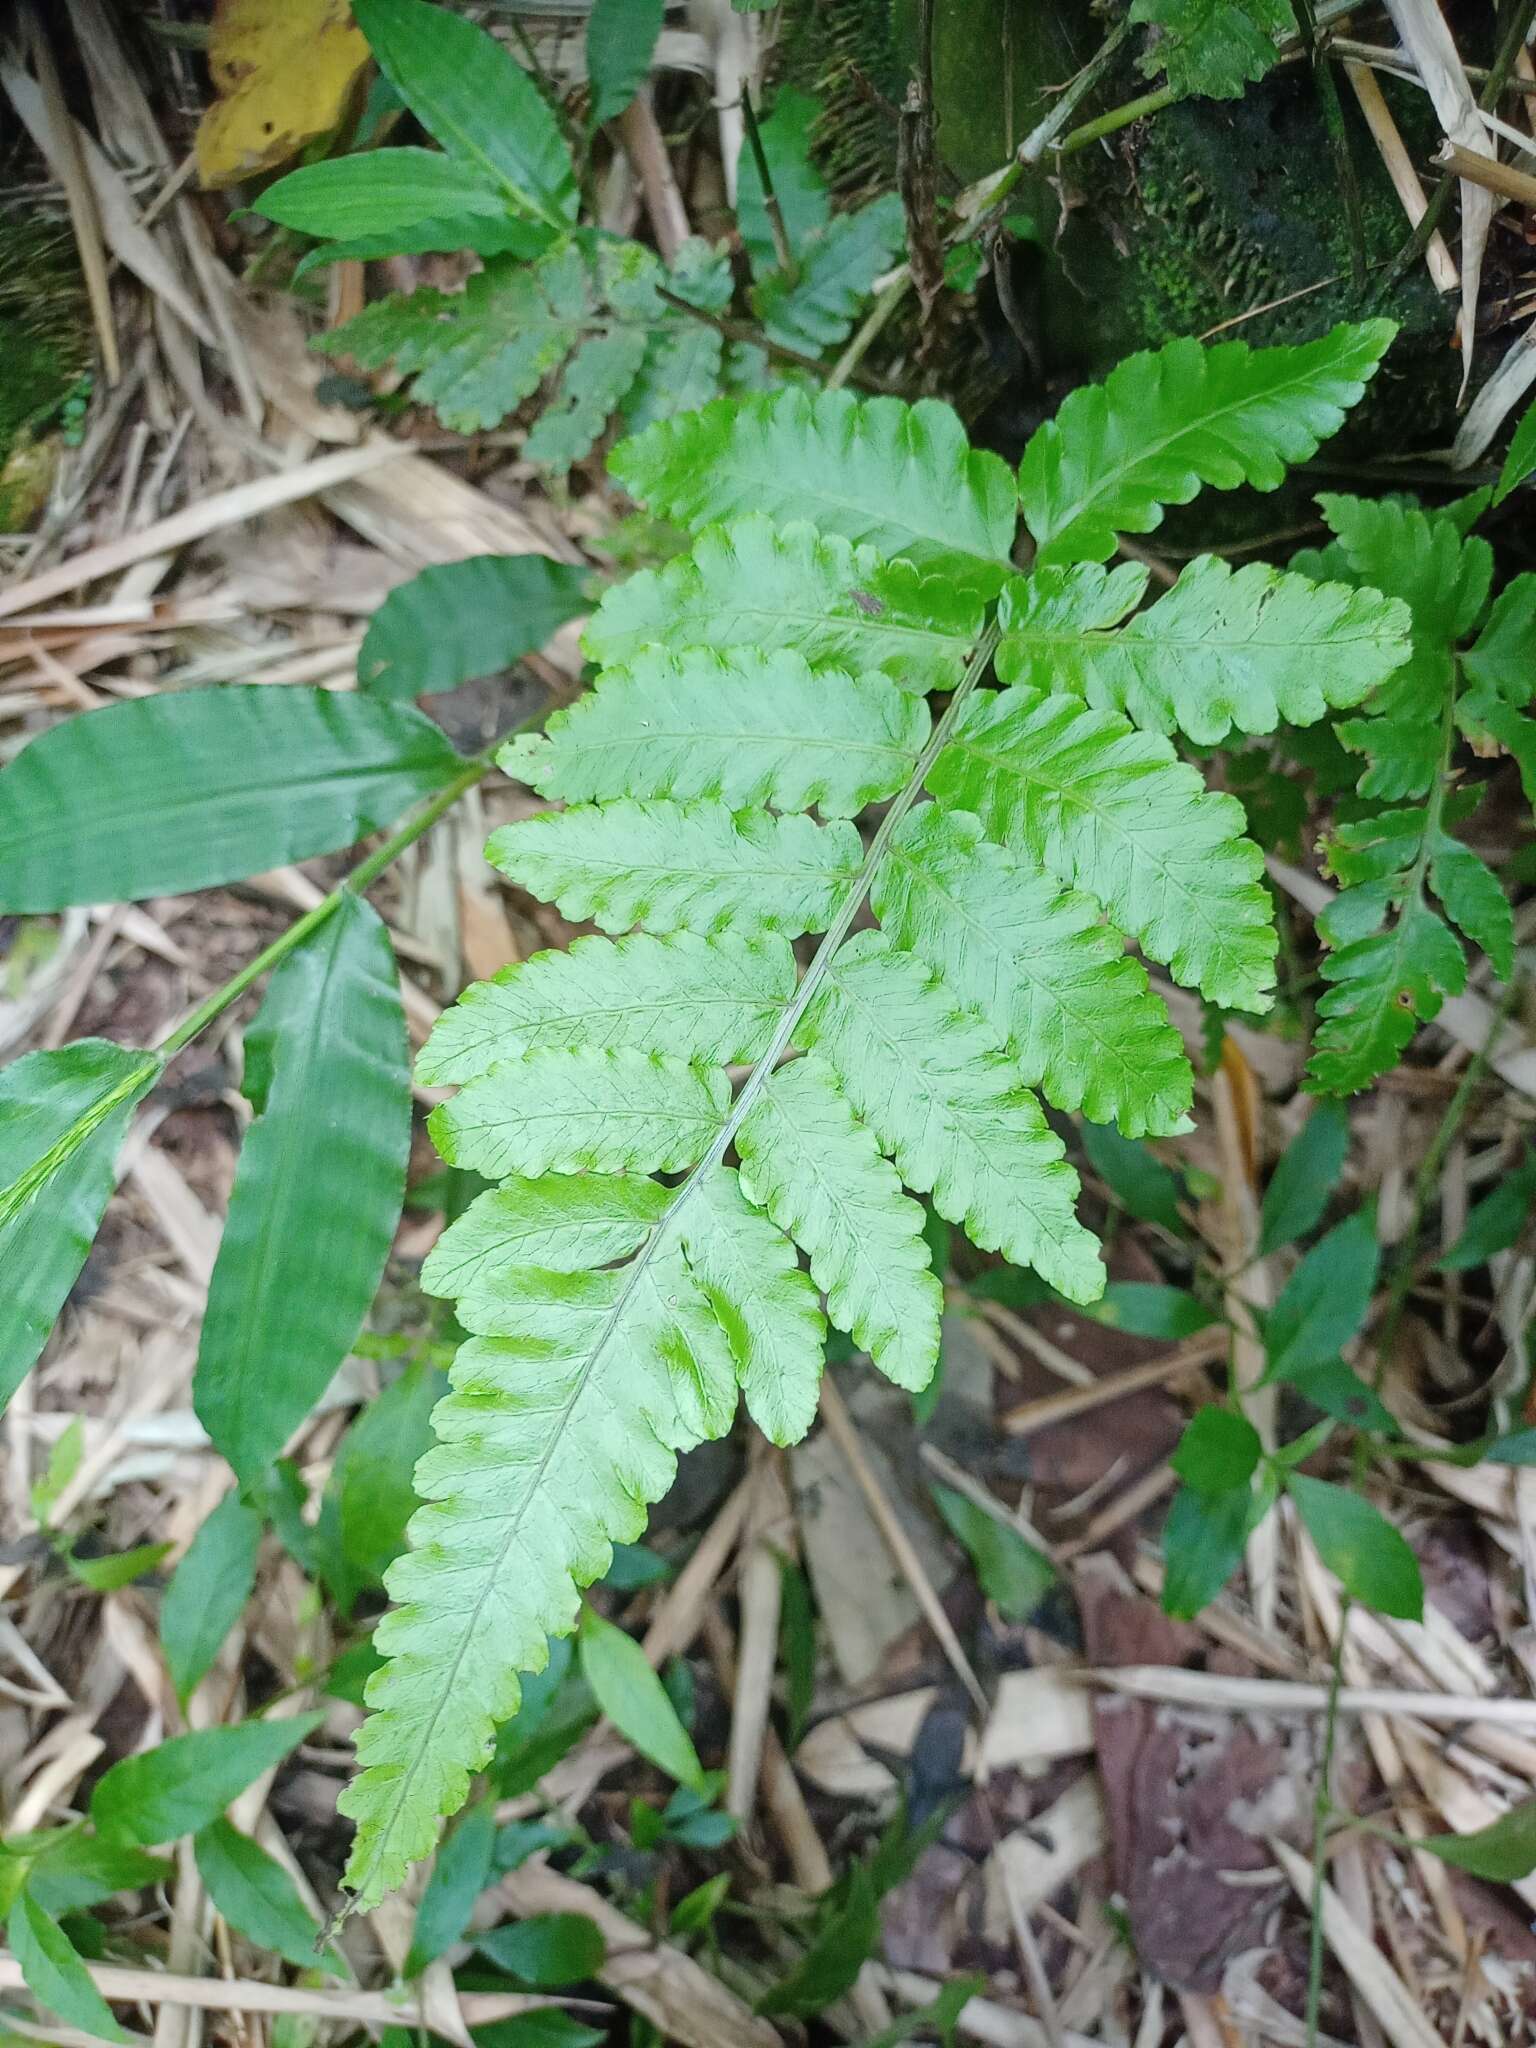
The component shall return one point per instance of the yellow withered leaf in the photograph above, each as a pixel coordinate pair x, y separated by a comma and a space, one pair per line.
284, 71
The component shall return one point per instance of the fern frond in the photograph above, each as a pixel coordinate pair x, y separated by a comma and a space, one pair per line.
808, 1161
765, 1305
563, 1424
750, 727
565, 1222
590, 305
603, 1109
1443, 577
835, 272
944, 1099
774, 669
1223, 648
697, 867
1036, 961
702, 998
1084, 796
1164, 423
754, 584
902, 478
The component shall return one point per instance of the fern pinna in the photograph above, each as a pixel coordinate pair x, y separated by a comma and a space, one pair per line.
679, 1112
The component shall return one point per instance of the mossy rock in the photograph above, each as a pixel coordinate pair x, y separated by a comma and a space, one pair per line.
1210, 215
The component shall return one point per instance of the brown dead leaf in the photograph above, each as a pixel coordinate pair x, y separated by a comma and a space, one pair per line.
284, 71
1191, 1798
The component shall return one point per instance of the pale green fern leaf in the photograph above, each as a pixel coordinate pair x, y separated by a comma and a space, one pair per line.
1213, 47
1084, 796
708, 999
1381, 985
750, 727
565, 1222
1037, 962
1224, 648
754, 584
604, 1109
766, 1306
589, 304
1164, 423
835, 271
945, 1100
1443, 577
561, 1427
818, 1172
902, 478
671, 867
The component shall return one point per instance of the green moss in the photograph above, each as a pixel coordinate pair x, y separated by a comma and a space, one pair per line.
45, 340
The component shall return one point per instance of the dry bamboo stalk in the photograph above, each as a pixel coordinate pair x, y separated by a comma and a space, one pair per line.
1170, 1682
1195, 1352
1399, 167
1487, 172
768, 1536
197, 521
217, 1994
840, 1427
1362, 1962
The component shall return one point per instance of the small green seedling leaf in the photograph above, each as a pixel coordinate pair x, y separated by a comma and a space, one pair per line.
634, 1698
1495, 1223
547, 1951
834, 1958
54, 1973
1135, 1176
111, 1574
1013, 1573
460, 1874
1340, 1392
696, 1909
941, 2017
1503, 1852
1362, 1549
1307, 1175
1142, 1309
63, 1464
258, 1898
78, 1870
1203, 1540
185, 1784
1324, 1303
1218, 1453
457, 621
208, 1591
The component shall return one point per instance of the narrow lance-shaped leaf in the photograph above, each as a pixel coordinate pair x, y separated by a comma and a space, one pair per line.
1036, 960
201, 787
1082, 795
54, 1973
475, 99
1163, 424
714, 999
208, 1590
459, 620
1224, 648
902, 478
939, 1092
318, 1191
383, 191
63, 1116
182, 1785
671, 867
754, 584
749, 728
